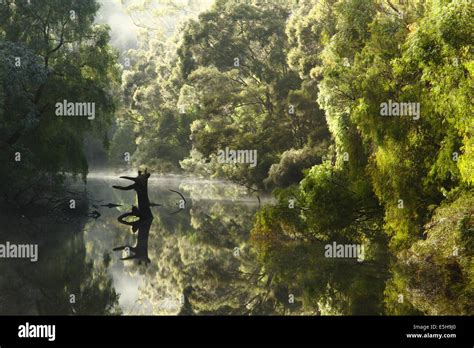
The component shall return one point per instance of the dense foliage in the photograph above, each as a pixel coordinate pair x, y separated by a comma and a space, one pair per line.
50, 52
302, 83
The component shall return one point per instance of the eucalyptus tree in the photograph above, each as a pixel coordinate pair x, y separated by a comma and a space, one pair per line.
52, 52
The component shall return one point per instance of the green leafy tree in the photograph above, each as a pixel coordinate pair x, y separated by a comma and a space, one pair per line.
59, 55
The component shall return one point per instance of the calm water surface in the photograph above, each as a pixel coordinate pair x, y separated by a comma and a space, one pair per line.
200, 258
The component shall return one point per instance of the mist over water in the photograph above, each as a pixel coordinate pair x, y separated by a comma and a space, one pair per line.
199, 188
157, 288
370, 215
193, 247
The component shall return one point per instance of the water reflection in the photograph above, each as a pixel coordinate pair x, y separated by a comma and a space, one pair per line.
197, 261
64, 280
144, 215
194, 264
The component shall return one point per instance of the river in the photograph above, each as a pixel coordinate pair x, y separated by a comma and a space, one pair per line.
200, 259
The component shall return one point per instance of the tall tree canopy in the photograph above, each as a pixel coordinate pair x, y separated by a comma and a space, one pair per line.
51, 52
